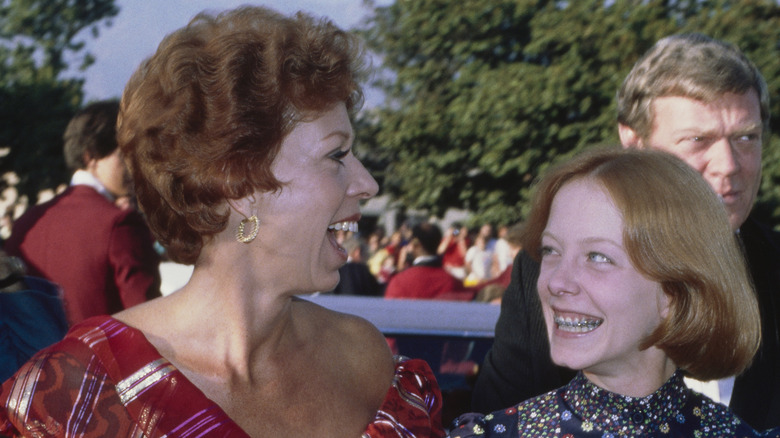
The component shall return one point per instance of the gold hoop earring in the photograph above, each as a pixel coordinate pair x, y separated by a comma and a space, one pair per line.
252, 234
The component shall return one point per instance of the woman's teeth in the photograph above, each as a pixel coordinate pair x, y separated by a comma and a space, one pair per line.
576, 325
344, 226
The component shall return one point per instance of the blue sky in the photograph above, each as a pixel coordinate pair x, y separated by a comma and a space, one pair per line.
142, 24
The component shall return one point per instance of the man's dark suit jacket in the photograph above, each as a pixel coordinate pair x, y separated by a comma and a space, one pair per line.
357, 279
519, 367
103, 257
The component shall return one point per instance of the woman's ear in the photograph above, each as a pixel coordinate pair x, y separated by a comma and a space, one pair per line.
245, 207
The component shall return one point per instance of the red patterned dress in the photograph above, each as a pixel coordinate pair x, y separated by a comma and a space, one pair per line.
106, 380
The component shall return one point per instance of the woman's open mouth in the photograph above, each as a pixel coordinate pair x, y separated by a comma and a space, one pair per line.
341, 226
344, 226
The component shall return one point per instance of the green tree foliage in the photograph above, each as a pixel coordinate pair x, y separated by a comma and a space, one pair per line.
40, 42
483, 95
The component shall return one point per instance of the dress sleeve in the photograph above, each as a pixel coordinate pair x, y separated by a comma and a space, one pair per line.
59, 393
412, 406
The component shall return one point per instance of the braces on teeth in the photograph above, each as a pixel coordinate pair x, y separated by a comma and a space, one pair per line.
578, 325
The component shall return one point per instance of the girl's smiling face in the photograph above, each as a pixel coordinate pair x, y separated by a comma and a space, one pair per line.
598, 308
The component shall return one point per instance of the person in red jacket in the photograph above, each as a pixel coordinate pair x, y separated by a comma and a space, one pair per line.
101, 255
426, 278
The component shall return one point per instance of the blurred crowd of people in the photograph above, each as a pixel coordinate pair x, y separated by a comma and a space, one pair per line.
461, 263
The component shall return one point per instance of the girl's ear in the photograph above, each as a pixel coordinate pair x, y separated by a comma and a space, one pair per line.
664, 305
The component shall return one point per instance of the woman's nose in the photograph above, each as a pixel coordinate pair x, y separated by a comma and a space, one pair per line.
363, 185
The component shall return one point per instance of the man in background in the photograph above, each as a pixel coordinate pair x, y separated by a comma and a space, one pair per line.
426, 277
704, 101
354, 277
100, 254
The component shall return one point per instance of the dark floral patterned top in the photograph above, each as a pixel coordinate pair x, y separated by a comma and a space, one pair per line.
582, 409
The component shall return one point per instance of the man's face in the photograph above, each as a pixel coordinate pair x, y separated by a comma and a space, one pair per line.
721, 140
112, 173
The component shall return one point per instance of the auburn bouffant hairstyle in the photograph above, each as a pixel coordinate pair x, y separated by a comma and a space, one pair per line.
202, 120
676, 232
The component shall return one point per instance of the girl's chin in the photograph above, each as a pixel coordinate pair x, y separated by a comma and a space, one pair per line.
568, 363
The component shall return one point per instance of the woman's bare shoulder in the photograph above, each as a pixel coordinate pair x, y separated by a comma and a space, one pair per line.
346, 327
355, 339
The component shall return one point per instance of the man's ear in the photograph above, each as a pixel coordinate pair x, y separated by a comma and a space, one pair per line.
88, 161
629, 137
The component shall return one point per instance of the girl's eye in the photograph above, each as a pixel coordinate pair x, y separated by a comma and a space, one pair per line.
598, 258
546, 250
